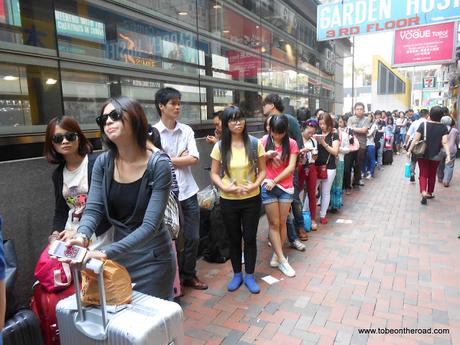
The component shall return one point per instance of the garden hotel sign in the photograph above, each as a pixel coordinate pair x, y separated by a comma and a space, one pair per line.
356, 17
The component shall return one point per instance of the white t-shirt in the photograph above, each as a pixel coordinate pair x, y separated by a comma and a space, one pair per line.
414, 126
75, 193
312, 145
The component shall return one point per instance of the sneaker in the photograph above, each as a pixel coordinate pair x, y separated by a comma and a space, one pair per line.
274, 261
286, 269
368, 176
323, 220
296, 244
361, 183
412, 178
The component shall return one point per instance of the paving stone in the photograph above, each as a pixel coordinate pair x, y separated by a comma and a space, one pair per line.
395, 266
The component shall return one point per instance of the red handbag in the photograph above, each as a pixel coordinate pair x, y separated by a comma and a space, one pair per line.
44, 306
321, 172
52, 274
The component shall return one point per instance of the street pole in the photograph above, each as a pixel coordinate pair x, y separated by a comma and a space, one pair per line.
353, 75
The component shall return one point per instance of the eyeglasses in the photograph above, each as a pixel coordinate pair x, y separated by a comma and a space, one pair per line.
101, 120
69, 136
233, 121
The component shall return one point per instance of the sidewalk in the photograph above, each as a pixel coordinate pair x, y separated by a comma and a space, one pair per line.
396, 266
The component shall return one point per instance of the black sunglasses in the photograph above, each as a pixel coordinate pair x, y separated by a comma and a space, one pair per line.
101, 120
58, 138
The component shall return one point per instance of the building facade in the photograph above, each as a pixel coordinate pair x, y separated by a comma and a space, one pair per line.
68, 56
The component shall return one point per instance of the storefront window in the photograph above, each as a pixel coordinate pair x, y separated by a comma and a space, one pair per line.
284, 50
280, 76
27, 22
29, 96
279, 15
84, 94
89, 30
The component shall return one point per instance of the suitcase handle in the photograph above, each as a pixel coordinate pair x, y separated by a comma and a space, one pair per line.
93, 328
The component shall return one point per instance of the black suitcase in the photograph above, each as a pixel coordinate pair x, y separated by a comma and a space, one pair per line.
387, 158
22, 329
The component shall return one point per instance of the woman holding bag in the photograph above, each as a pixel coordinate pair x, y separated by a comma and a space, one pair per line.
130, 186
328, 149
433, 136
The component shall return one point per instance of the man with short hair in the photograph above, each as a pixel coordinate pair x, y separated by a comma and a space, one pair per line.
217, 122
410, 136
273, 105
178, 141
360, 125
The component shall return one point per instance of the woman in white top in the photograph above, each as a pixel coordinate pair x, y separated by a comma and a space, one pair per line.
369, 165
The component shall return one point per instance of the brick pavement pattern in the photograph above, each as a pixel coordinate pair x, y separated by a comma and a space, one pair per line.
395, 266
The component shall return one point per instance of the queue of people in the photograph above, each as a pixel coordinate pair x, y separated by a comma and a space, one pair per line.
114, 203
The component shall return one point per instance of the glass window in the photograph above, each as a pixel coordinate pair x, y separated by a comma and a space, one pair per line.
193, 102
280, 76
27, 22
235, 64
279, 15
84, 94
144, 91
284, 50
87, 30
252, 5
29, 96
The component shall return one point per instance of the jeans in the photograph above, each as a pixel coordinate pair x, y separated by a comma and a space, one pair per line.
187, 262
370, 160
296, 203
241, 219
291, 233
445, 171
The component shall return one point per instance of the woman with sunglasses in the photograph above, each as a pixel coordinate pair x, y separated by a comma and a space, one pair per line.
130, 186
67, 146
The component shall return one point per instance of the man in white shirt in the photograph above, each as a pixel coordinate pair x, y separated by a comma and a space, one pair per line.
178, 141
410, 136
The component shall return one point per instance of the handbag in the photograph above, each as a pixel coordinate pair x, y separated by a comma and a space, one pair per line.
353, 141
420, 147
52, 274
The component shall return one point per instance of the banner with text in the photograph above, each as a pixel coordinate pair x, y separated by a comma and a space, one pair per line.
425, 45
357, 17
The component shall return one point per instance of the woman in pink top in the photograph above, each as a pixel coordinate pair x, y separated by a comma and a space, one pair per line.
278, 187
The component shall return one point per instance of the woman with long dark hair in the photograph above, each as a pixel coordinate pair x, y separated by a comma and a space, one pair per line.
328, 149
238, 169
278, 187
131, 186
435, 135
67, 146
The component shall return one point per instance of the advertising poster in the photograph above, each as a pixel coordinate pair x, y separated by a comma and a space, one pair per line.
429, 44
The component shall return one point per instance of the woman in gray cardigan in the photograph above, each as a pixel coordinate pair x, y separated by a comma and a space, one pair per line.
130, 186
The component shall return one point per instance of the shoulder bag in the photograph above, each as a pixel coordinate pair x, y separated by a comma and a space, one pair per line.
420, 147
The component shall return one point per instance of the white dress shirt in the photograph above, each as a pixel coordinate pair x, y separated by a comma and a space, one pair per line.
174, 142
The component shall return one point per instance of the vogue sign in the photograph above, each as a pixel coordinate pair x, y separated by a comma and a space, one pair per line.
430, 44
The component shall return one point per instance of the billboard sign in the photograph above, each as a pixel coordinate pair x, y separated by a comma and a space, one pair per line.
429, 44
357, 17
79, 27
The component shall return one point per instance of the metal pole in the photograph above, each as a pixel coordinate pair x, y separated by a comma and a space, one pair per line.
353, 75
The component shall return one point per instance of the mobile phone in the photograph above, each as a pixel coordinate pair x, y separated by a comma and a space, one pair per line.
61, 250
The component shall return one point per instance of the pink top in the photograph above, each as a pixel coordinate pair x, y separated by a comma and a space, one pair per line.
287, 184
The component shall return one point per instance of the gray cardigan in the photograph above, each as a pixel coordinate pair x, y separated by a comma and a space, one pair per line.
145, 223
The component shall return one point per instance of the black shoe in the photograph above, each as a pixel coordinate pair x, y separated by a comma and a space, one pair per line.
412, 178
423, 201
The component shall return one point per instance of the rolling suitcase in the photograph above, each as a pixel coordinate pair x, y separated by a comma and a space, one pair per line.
387, 158
146, 320
22, 329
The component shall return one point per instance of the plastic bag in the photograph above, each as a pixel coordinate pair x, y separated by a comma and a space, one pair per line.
117, 285
208, 197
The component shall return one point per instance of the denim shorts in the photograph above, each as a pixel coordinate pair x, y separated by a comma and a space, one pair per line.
275, 195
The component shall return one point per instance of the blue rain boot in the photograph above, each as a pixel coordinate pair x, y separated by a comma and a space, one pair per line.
250, 282
236, 282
